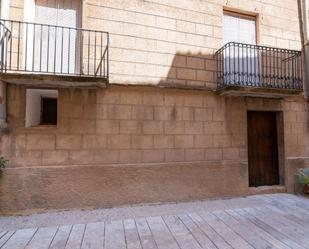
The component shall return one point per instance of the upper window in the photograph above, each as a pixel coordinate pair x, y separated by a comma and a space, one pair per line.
239, 28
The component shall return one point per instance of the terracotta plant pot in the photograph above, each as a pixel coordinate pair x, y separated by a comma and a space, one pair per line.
306, 189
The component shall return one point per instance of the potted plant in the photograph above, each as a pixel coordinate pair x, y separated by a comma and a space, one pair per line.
3, 163
304, 177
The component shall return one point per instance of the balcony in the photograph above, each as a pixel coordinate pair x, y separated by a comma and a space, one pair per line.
250, 70
53, 56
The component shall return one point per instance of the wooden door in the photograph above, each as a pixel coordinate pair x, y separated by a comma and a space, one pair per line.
263, 149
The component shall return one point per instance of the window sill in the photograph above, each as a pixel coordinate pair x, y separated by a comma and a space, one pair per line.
43, 127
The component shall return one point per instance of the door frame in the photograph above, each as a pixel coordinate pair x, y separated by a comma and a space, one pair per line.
280, 143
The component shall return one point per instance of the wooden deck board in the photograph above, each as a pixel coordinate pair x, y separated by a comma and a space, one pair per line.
42, 238
6, 237
219, 241
164, 239
132, 237
257, 230
181, 233
278, 221
196, 232
243, 230
76, 237
61, 237
289, 229
273, 231
94, 236
225, 232
20, 239
145, 234
115, 237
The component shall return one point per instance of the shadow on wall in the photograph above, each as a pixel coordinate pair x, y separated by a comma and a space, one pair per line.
195, 71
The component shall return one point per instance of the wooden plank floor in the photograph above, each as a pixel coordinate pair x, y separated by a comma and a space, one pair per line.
281, 222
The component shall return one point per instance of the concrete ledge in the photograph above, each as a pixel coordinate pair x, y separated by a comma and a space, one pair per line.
267, 190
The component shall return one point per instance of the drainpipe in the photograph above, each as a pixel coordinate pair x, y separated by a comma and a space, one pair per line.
5, 13
305, 41
3, 123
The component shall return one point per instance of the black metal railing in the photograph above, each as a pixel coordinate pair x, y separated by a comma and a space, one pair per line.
248, 65
53, 50
5, 37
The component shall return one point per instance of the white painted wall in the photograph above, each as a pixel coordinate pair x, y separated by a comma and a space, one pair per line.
29, 10
33, 104
29, 15
5, 9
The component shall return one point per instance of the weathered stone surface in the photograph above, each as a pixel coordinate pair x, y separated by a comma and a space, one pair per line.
154, 129
96, 186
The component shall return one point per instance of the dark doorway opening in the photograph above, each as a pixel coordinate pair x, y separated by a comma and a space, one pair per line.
263, 149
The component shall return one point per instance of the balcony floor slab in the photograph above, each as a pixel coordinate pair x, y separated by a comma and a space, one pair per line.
258, 92
54, 81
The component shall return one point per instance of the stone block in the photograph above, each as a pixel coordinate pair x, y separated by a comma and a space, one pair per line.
55, 157
174, 155
97, 141
40, 142
153, 127
153, 156
206, 141
142, 141
203, 114
153, 98
131, 97
167, 113
119, 112
184, 141
69, 142
106, 156
119, 141
130, 156
130, 126
163, 141
213, 154
80, 157
174, 127
194, 155
142, 112
107, 126
193, 127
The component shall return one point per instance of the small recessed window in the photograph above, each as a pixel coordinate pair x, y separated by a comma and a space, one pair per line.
41, 107
49, 111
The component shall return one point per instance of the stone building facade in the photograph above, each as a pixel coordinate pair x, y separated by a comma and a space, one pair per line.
158, 131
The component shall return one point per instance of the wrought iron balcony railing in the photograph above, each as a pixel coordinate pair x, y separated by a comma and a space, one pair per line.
53, 50
245, 65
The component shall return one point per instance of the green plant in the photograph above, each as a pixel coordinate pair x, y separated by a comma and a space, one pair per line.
3, 163
304, 177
